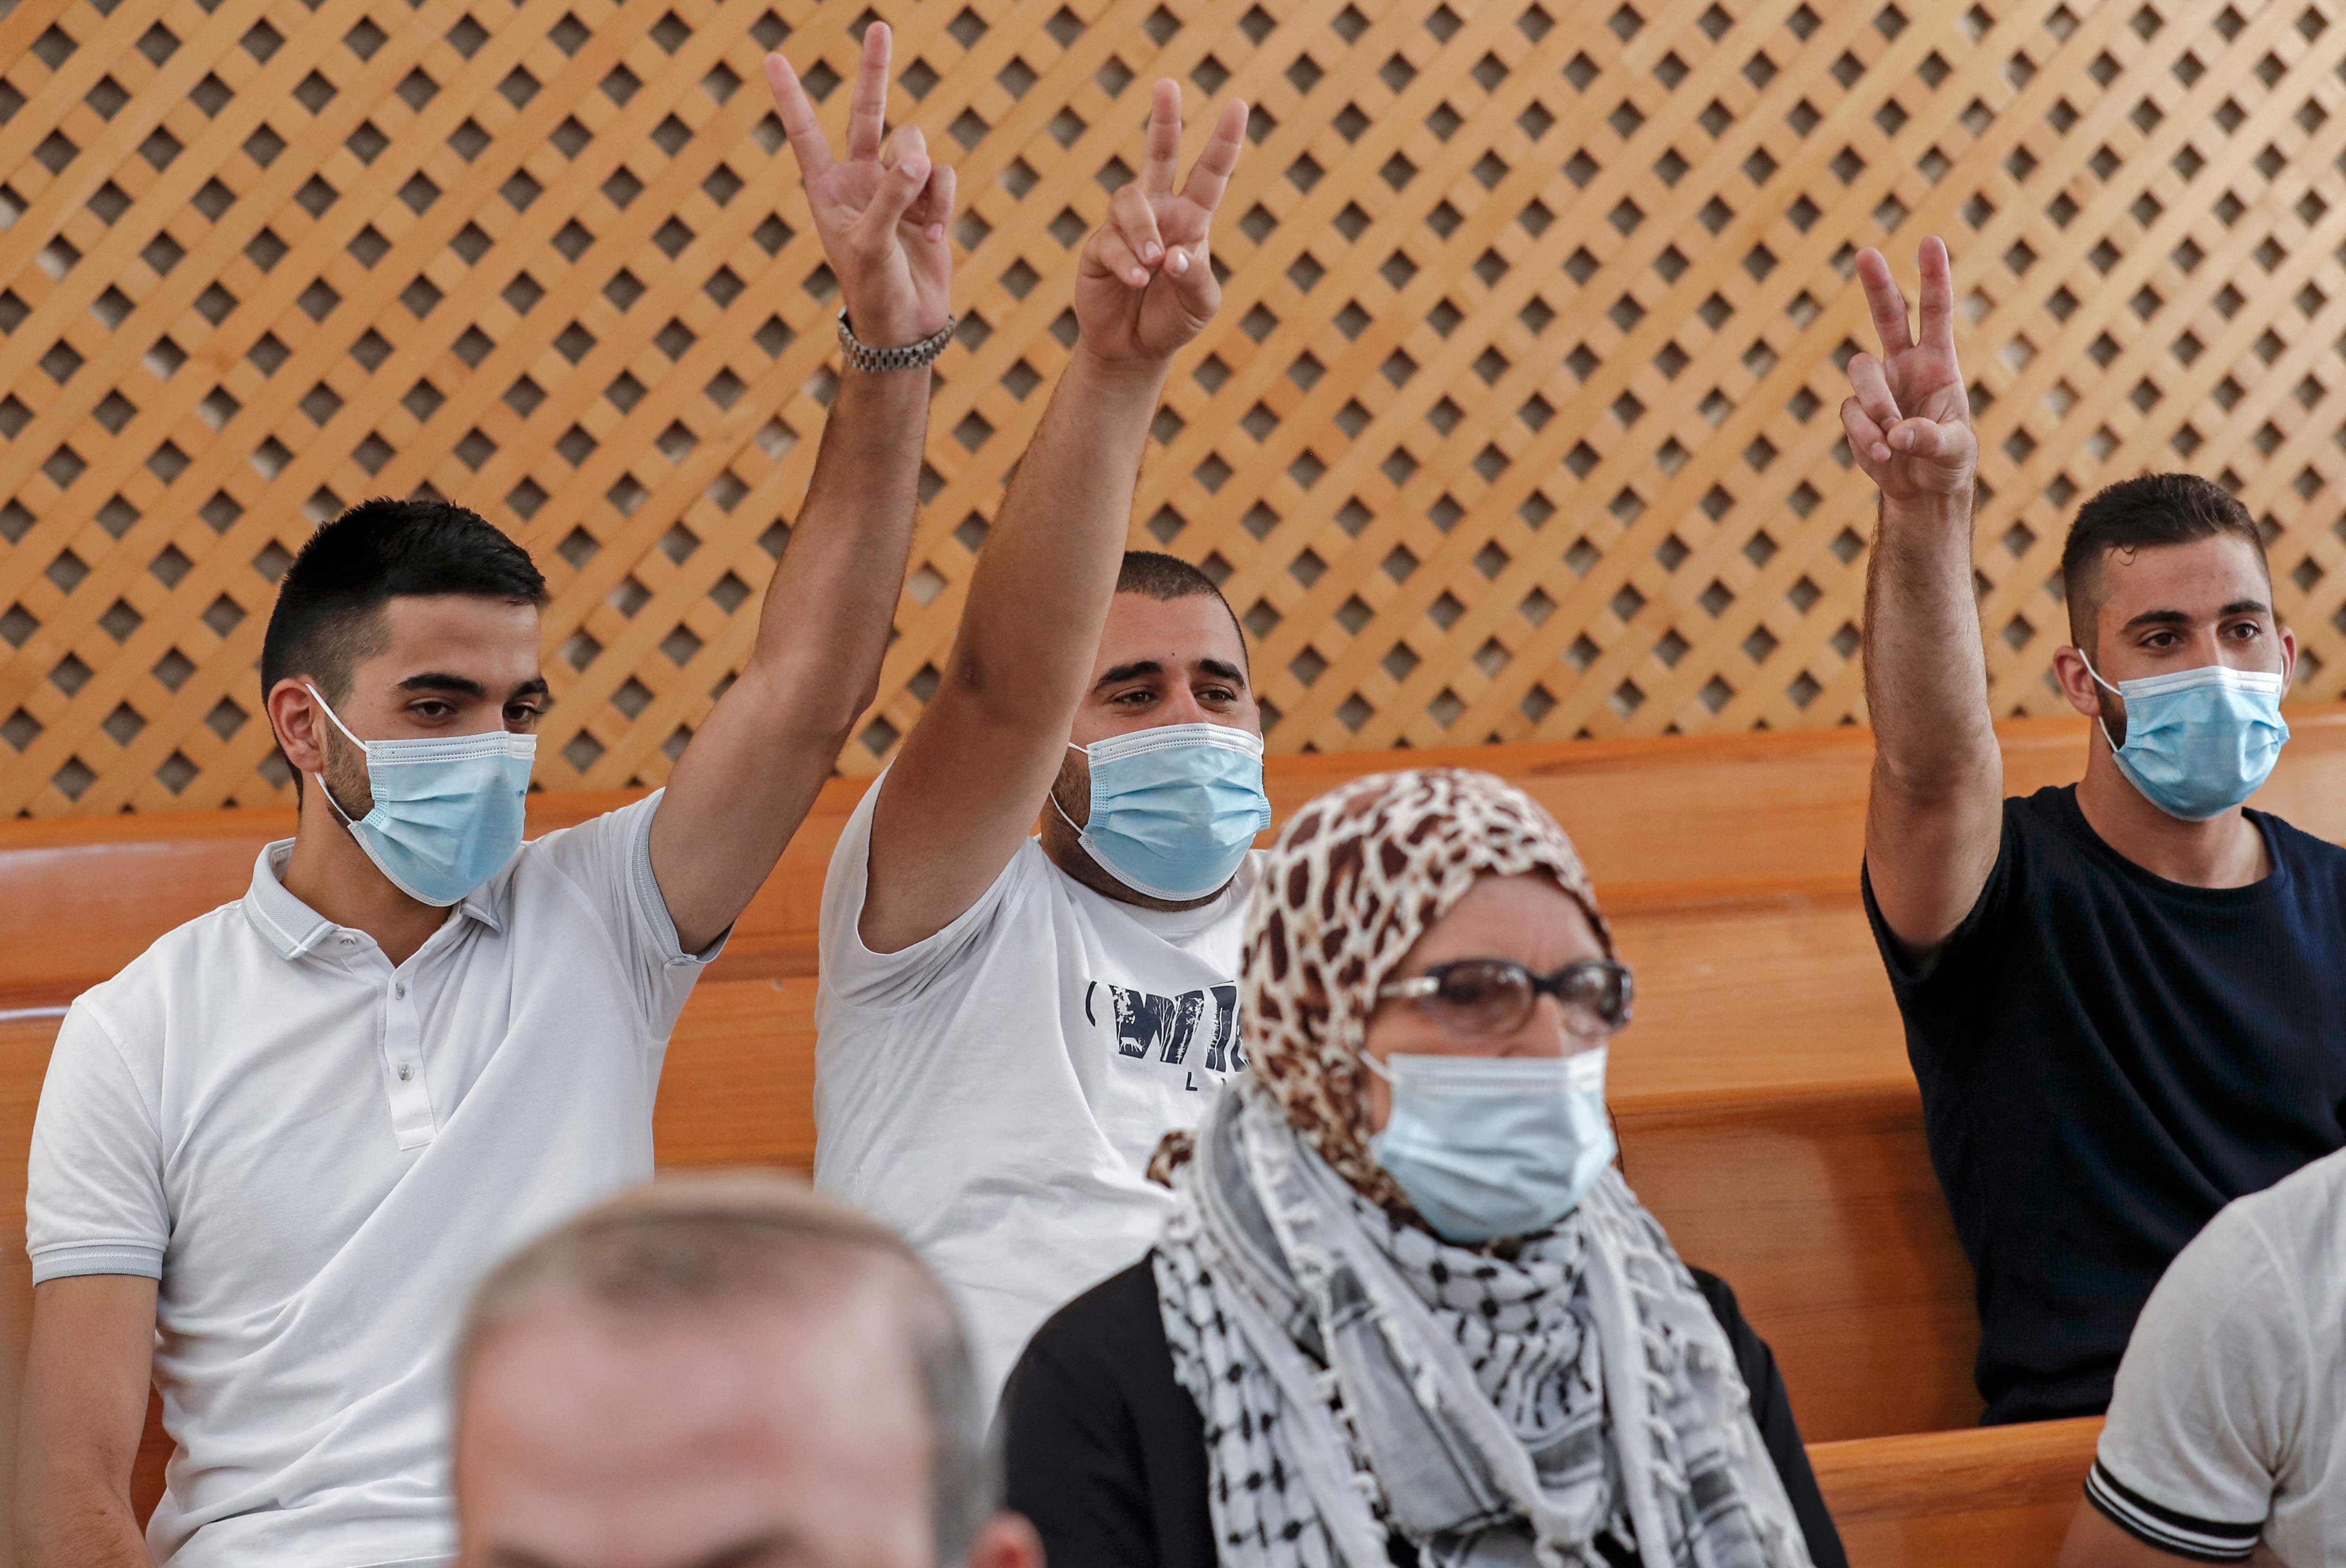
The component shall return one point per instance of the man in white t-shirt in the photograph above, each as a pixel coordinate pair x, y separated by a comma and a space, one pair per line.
1009, 1024
274, 1153
2227, 1432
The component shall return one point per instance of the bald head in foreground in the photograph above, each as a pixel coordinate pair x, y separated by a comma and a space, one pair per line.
723, 1372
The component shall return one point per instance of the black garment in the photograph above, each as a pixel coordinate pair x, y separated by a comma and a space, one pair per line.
1107, 1453
2106, 1059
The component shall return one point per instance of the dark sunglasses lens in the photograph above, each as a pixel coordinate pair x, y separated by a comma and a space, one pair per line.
1484, 998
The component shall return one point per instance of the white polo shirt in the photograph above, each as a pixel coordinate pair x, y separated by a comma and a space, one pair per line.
318, 1155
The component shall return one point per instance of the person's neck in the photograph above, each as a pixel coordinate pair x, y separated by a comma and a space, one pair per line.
328, 872
2224, 852
1067, 853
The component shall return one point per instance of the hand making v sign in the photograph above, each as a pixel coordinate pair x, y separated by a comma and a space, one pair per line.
1146, 284
879, 210
1910, 422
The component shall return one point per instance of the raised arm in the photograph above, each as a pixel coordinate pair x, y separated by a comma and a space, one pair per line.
973, 772
1933, 824
85, 1377
745, 783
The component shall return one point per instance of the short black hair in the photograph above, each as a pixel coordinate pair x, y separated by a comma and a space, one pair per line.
328, 609
1153, 574
2143, 513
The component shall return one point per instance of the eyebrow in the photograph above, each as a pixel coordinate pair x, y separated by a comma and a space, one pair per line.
2179, 618
466, 685
1221, 669
1127, 671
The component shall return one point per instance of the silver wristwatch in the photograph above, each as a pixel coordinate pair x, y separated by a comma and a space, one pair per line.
910, 357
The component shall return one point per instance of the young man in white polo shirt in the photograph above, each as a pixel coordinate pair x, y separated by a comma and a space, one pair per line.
1010, 1024
274, 1153
2226, 1433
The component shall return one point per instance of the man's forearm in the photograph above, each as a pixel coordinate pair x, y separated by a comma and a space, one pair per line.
1059, 539
1925, 676
64, 1523
828, 610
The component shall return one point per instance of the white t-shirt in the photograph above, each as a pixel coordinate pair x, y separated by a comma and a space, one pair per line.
2224, 1429
994, 1091
318, 1155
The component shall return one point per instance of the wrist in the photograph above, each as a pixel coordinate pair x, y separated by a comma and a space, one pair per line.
883, 328
1929, 508
1135, 373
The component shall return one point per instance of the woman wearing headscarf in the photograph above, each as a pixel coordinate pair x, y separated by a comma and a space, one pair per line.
1406, 1312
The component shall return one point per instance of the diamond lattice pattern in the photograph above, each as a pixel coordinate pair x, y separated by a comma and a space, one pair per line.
1518, 422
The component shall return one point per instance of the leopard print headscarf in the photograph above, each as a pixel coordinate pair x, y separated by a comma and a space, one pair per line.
1353, 880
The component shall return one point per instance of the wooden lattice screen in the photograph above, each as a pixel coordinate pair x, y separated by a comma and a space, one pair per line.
1519, 421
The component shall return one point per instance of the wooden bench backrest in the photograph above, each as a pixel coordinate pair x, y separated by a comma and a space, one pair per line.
1658, 820
2000, 1496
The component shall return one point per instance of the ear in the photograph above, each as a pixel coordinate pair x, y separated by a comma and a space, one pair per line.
1006, 1541
2076, 682
301, 725
2288, 660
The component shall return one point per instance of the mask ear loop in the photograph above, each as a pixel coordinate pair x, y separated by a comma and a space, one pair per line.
2098, 718
332, 804
1053, 794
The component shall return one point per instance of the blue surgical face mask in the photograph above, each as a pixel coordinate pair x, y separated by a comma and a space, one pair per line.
1173, 808
2198, 741
447, 808
1489, 1146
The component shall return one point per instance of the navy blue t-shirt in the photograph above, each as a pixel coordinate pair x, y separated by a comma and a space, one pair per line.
2107, 1058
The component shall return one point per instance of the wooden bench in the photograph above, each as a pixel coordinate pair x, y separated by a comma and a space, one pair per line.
1762, 1095
1995, 1495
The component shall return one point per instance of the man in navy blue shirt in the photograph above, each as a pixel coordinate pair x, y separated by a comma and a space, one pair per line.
2124, 999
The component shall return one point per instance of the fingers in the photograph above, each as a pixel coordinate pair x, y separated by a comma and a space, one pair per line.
867, 116
1135, 222
1864, 436
1111, 254
1919, 438
1872, 389
1162, 166
1883, 297
904, 175
1210, 176
933, 209
1938, 320
807, 141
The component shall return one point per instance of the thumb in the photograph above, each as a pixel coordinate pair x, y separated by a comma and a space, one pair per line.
1191, 269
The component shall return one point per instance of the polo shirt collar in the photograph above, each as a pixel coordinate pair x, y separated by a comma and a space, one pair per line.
295, 929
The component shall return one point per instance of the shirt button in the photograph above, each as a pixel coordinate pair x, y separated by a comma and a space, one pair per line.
399, 989
347, 940
406, 1071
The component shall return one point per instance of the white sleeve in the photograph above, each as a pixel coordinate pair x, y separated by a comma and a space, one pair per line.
94, 1201
852, 971
2210, 1398
609, 857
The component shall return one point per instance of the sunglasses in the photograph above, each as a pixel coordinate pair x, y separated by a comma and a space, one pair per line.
1497, 995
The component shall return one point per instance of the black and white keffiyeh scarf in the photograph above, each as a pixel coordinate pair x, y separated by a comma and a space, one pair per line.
1571, 1404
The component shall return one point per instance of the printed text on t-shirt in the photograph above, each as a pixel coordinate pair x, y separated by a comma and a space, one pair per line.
1168, 1027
